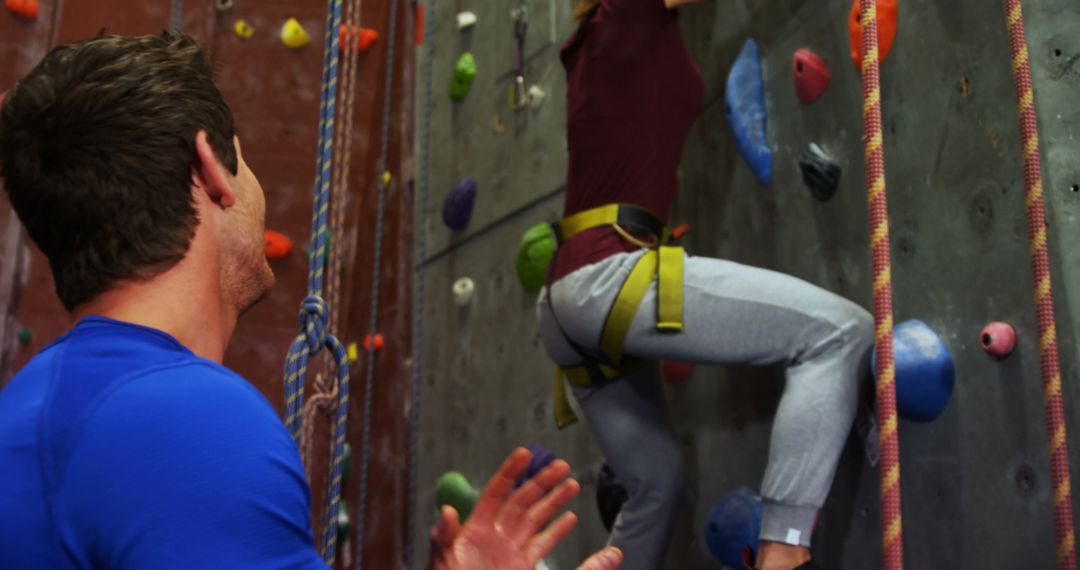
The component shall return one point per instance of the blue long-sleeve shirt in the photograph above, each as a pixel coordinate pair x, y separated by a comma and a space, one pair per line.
120, 448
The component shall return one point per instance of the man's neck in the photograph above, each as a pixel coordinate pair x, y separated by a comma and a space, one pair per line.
177, 302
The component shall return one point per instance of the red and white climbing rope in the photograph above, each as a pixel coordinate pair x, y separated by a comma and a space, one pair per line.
888, 438
1044, 298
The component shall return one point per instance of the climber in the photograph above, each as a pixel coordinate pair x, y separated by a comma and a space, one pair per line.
616, 294
125, 443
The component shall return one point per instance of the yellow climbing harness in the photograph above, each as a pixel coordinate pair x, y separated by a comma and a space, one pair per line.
663, 262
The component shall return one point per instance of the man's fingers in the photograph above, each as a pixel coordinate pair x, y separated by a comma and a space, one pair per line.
545, 542
538, 515
532, 491
609, 558
499, 487
449, 525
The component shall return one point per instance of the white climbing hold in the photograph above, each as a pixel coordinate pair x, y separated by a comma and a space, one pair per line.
536, 96
464, 290
466, 20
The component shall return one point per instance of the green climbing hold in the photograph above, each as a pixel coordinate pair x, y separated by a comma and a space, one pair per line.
344, 523
25, 336
535, 251
346, 463
464, 75
454, 490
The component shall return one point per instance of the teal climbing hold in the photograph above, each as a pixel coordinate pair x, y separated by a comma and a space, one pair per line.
535, 251
745, 99
26, 336
464, 75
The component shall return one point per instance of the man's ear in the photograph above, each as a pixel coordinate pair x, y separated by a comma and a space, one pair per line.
209, 173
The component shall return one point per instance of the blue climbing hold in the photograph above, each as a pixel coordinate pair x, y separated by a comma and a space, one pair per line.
541, 458
924, 371
733, 526
745, 99
458, 207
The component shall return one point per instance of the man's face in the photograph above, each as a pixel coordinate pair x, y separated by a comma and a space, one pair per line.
246, 274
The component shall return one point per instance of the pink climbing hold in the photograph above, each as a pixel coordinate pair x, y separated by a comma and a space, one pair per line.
811, 75
998, 339
676, 371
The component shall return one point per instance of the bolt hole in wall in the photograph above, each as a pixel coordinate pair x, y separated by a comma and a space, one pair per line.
1057, 52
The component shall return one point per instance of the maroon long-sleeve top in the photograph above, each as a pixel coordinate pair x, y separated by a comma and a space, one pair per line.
633, 92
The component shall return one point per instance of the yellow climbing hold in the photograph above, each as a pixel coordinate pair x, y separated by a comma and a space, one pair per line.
243, 30
294, 35
354, 353
386, 178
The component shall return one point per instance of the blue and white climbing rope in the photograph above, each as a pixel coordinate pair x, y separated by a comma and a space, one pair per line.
176, 15
420, 237
383, 182
313, 336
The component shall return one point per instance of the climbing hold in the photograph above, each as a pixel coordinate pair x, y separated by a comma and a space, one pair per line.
458, 206
294, 35
676, 371
26, 8
277, 245
610, 496
243, 30
464, 75
537, 95
464, 290
924, 371
541, 458
223, 5
535, 251
353, 352
26, 336
344, 523
466, 20
811, 75
820, 172
998, 339
386, 178
745, 98
886, 24
361, 38
378, 341
679, 231
454, 489
733, 527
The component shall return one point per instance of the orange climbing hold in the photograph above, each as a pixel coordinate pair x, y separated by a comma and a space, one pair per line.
378, 342
886, 13
26, 8
277, 245
363, 37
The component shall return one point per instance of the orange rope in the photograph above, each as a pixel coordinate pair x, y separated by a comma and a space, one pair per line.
892, 527
1044, 297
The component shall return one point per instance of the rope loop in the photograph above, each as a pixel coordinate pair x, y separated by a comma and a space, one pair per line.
314, 320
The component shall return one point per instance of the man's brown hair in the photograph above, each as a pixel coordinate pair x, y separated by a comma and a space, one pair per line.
97, 144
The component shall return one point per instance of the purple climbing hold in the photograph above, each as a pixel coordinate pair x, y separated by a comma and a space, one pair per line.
458, 206
541, 458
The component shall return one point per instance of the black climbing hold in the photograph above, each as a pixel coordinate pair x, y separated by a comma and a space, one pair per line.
820, 172
610, 496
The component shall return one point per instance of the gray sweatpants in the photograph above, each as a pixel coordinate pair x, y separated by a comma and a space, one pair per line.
732, 314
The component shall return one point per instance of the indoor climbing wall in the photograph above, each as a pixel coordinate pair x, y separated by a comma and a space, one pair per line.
273, 88
976, 483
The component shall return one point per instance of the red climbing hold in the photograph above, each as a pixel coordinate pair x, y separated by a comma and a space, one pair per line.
378, 342
676, 371
679, 231
26, 8
362, 38
811, 75
886, 16
998, 339
277, 245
